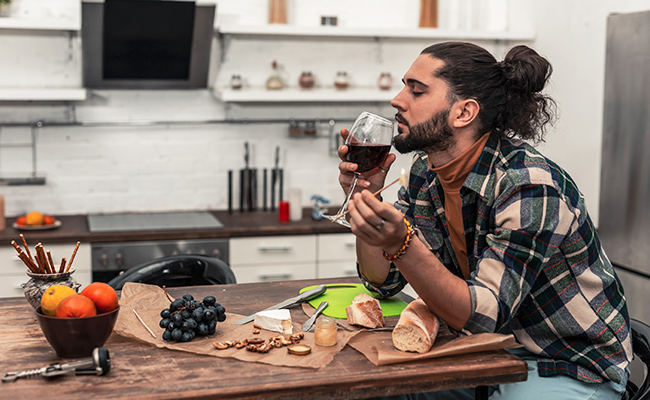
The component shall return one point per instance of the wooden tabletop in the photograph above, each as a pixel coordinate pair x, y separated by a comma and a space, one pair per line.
140, 371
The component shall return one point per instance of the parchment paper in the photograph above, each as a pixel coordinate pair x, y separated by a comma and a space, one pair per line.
149, 300
378, 346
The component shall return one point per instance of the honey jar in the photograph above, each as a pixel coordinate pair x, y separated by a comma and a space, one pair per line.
325, 332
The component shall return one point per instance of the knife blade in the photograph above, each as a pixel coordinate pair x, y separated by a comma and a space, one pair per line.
307, 295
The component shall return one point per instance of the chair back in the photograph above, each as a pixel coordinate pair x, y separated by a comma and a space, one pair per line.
181, 270
641, 347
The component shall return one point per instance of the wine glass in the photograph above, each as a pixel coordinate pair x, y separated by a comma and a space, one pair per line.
368, 144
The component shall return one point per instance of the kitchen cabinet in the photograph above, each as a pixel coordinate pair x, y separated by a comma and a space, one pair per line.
273, 258
337, 255
12, 269
278, 258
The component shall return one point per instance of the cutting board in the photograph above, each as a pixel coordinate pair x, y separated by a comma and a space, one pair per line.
340, 295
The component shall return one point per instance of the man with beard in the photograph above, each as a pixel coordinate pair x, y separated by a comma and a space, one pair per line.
493, 236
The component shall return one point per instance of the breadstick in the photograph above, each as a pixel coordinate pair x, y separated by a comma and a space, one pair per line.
61, 268
49, 257
28, 262
72, 258
42, 259
18, 249
26, 247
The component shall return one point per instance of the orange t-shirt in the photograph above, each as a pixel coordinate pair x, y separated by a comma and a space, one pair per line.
452, 176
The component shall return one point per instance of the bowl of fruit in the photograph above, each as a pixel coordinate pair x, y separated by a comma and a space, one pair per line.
75, 324
35, 221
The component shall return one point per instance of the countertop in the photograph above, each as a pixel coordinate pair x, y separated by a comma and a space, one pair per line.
238, 224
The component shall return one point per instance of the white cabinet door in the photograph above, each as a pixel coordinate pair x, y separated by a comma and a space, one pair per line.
337, 255
273, 258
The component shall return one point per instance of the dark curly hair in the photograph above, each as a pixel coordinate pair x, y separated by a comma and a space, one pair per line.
508, 92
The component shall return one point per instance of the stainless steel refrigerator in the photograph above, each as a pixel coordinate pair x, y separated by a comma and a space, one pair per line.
624, 214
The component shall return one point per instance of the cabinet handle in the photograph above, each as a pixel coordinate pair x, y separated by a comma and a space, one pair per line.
350, 272
275, 248
350, 244
279, 275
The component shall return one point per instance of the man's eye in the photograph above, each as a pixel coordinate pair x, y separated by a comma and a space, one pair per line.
416, 93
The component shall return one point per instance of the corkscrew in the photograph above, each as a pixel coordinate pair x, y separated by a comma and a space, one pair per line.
98, 364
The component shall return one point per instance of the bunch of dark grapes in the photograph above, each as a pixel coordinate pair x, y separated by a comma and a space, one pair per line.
186, 318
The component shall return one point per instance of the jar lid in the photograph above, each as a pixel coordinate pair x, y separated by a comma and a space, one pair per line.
299, 349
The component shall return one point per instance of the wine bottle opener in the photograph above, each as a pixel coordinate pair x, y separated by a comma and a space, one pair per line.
98, 364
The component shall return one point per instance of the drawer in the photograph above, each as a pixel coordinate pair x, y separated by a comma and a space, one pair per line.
286, 272
341, 246
335, 269
273, 250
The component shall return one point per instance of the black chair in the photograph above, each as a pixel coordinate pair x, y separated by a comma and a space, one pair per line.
641, 347
174, 271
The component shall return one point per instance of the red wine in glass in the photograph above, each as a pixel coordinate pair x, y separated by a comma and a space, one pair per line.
367, 155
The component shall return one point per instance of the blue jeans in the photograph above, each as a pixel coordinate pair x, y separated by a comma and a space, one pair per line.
559, 387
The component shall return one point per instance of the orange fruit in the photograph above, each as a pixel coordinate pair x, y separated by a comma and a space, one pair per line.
103, 295
76, 306
34, 218
53, 296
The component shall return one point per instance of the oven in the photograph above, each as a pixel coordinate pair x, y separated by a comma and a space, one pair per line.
109, 259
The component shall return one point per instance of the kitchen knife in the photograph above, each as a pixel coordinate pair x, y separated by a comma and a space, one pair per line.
304, 296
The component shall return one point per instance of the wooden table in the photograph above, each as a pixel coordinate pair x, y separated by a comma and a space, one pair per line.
140, 371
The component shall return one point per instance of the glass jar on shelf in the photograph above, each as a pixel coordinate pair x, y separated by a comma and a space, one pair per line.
385, 81
306, 80
275, 81
341, 81
236, 82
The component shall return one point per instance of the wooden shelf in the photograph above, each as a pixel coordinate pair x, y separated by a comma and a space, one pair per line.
23, 94
289, 95
334, 31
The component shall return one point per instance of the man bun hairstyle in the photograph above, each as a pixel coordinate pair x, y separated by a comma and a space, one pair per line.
508, 92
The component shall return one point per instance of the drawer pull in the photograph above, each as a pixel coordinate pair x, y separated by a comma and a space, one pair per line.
350, 272
275, 248
280, 275
350, 244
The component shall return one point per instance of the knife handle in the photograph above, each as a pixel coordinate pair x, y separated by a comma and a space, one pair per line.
311, 293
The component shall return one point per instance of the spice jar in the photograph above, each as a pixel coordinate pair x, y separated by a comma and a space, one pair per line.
294, 128
325, 332
275, 81
306, 80
310, 128
385, 81
341, 82
235, 82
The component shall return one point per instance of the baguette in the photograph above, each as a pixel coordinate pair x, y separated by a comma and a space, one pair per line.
416, 329
365, 311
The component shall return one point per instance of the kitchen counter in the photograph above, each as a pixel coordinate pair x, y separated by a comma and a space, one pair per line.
260, 223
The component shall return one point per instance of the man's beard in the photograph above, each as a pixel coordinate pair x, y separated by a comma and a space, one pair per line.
434, 135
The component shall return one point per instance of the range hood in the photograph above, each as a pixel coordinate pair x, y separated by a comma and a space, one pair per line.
146, 44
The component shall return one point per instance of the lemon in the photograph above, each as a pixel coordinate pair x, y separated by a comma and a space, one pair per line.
53, 296
34, 218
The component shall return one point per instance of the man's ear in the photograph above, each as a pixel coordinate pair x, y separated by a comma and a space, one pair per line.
464, 112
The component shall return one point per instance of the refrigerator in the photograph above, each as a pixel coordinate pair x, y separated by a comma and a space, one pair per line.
624, 214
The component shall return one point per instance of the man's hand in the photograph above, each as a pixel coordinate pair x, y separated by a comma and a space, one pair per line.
376, 223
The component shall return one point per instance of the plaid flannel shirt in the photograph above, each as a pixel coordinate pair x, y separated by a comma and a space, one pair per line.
537, 268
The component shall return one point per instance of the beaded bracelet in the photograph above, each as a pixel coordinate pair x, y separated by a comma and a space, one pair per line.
407, 241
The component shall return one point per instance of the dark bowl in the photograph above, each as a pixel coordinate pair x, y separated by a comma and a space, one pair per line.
77, 337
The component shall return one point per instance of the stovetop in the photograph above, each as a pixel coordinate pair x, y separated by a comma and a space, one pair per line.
152, 221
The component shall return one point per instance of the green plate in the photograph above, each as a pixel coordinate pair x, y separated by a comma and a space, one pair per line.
340, 295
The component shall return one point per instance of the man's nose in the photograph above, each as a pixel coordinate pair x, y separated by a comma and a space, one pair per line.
397, 102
